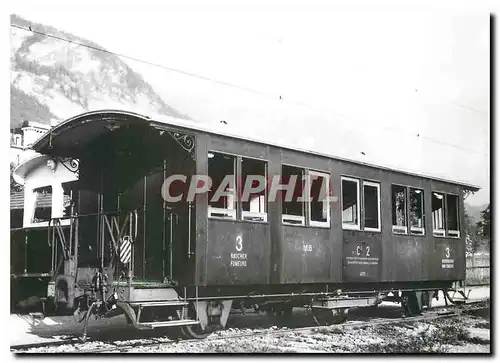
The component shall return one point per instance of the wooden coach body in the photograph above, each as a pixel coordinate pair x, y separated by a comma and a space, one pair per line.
278, 253
239, 253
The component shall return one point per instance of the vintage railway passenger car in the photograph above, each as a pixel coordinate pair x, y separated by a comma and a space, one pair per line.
185, 262
44, 196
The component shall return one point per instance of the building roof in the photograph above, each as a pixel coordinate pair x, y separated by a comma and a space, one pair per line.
35, 124
17, 200
21, 170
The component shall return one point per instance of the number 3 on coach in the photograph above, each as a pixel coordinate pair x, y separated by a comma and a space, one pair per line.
239, 243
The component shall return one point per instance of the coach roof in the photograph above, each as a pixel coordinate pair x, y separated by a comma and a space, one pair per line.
69, 137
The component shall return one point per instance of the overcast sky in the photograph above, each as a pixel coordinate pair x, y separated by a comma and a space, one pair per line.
413, 87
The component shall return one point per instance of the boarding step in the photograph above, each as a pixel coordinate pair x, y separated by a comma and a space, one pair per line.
162, 324
146, 304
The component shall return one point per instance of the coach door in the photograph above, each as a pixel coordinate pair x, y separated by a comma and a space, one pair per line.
161, 248
150, 227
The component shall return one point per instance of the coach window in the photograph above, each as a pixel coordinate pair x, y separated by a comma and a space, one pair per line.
292, 200
67, 199
222, 194
253, 196
43, 204
417, 211
350, 203
438, 214
371, 195
319, 204
399, 224
452, 225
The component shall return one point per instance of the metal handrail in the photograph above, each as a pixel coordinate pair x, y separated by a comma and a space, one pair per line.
54, 225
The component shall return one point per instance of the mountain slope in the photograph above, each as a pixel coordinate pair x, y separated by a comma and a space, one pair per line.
52, 80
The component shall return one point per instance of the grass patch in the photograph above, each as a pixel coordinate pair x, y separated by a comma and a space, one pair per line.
477, 276
426, 341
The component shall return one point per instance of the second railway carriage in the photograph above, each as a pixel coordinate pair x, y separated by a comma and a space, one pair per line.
150, 238
44, 196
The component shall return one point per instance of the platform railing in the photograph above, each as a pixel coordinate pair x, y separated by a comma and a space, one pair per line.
64, 247
57, 237
122, 238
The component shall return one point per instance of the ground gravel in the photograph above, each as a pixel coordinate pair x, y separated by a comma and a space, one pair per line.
451, 335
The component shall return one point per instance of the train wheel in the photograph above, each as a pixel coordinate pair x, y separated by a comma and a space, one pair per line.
195, 331
325, 317
412, 303
174, 333
79, 315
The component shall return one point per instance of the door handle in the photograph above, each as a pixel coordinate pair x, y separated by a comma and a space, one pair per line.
136, 218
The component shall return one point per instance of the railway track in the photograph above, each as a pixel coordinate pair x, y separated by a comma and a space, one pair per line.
98, 347
125, 349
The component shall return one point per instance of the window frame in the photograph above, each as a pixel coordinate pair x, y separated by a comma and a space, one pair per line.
302, 219
457, 216
439, 232
376, 185
355, 227
394, 228
421, 229
285, 218
30, 206
312, 223
231, 214
266, 197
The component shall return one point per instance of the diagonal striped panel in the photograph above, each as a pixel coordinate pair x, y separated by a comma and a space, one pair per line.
125, 250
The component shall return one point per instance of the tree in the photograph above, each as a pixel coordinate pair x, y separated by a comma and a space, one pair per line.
483, 226
14, 186
472, 240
